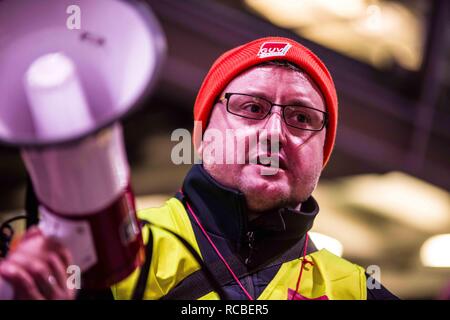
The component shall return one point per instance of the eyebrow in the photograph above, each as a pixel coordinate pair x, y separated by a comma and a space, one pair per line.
294, 102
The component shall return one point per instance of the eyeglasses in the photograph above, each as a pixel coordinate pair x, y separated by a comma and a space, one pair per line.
257, 108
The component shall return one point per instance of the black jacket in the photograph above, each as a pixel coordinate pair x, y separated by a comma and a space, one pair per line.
256, 246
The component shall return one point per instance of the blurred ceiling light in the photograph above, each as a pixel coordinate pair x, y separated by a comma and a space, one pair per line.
435, 252
374, 20
376, 32
343, 8
286, 13
299, 13
325, 242
402, 198
396, 29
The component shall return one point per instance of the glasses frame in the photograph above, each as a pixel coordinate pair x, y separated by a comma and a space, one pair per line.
228, 95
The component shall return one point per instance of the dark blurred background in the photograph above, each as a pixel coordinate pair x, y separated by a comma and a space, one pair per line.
384, 195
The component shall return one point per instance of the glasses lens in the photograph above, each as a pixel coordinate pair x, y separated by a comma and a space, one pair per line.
304, 118
248, 106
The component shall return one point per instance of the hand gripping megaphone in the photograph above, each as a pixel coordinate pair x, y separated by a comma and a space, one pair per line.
64, 85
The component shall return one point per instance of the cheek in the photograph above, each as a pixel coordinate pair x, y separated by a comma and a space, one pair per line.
213, 138
236, 137
215, 149
221, 120
306, 156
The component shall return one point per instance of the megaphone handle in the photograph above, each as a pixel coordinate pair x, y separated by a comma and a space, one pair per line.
6, 290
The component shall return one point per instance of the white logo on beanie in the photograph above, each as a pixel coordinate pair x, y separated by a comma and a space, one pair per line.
273, 49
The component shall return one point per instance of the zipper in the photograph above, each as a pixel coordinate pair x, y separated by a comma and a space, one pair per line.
251, 246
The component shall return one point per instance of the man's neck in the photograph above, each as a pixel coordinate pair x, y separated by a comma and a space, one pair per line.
252, 215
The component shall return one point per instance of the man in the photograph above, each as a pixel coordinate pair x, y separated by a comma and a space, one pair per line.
248, 225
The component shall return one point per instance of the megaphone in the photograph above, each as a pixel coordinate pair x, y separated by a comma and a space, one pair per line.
69, 71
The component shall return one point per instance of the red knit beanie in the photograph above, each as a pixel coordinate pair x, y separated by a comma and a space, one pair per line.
232, 63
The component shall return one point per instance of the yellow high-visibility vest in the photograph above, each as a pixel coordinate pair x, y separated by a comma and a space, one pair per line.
330, 276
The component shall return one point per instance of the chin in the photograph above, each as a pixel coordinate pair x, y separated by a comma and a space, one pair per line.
260, 203
264, 192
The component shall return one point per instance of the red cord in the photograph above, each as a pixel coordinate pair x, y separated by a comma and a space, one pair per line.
302, 265
218, 252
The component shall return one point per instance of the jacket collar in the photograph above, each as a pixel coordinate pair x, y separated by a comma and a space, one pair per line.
223, 212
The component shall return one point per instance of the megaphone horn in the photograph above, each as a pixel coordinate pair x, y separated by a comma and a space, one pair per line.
114, 76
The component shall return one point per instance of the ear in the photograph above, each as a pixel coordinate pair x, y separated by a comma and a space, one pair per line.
199, 149
197, 140
324, 136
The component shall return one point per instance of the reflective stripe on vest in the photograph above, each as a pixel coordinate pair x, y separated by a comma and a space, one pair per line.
334, 277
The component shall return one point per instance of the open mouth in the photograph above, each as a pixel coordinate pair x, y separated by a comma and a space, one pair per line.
263, 161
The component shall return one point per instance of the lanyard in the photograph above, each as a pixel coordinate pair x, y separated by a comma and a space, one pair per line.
249, 297
218, 252
302, 266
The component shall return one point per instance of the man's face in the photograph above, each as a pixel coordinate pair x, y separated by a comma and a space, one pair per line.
300, 152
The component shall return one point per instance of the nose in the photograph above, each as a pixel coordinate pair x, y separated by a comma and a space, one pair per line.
275, 120
275, 125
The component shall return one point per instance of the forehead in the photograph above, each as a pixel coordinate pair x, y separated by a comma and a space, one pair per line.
279, 84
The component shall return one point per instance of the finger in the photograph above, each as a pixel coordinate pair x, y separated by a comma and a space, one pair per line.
21, 242
71, 293
32, 232
57, 293
57, 247
49, 273
23, 284
31, 243
38, 246
58, 269
39, 271
45, 280
53, 281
